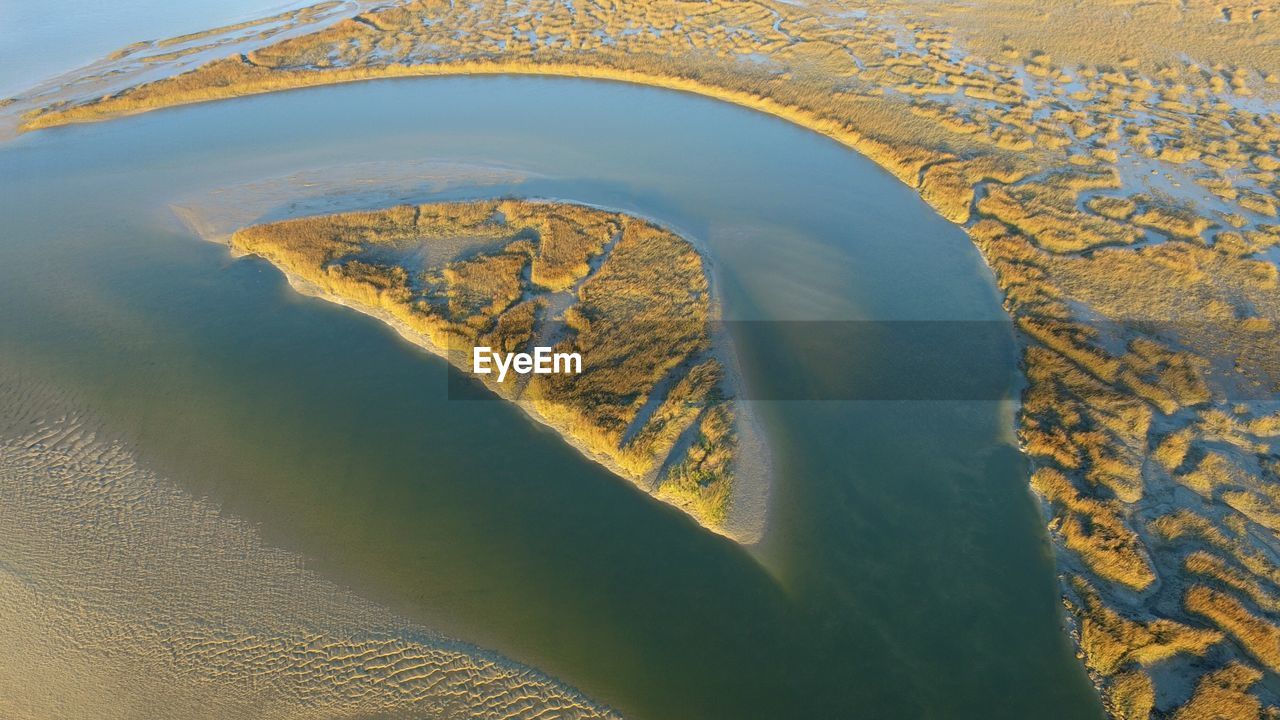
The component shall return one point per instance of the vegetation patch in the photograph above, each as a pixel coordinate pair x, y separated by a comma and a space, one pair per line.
652, 401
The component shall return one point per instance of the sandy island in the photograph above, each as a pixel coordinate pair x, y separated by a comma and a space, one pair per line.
656, 402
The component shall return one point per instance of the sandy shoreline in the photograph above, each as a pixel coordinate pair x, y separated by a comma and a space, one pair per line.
109, 570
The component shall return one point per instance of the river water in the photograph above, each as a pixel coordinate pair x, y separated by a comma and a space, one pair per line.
905, 572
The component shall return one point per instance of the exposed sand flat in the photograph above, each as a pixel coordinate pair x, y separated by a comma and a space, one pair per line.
121, 597
747, 517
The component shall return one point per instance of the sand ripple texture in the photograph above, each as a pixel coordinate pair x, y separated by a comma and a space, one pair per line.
121, 596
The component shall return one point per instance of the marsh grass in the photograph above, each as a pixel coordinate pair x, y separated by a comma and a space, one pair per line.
639, 319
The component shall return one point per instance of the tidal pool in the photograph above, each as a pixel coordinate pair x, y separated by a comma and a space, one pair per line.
905, 572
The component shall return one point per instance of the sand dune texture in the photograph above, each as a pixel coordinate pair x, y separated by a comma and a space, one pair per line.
123, 597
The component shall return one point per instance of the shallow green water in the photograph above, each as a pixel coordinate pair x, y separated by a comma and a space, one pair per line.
905, 572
